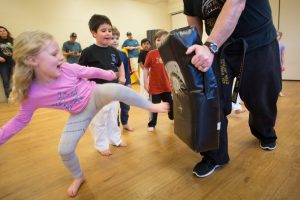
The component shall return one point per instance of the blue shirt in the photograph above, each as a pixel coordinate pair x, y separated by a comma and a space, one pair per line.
132, 43
72, 47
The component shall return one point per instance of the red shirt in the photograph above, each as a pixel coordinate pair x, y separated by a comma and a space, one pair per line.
158, 77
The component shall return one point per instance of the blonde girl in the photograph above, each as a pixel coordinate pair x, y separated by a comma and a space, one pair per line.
42, 80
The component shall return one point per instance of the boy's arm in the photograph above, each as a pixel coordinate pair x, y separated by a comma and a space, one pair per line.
147, 65
122, 78
141, 65
146, 79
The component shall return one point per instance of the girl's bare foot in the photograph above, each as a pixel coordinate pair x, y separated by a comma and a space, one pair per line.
128, 128
159, 107
74, 187
106, 152
122, 144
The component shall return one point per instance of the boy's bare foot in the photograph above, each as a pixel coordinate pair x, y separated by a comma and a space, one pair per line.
128, 128
159, 107
74, 187
281, 94
150, 129
106, 152
122, 144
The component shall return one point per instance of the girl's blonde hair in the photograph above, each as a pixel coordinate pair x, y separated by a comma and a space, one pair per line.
26, 44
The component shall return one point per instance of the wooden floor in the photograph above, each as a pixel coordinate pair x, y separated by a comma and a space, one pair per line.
155, 166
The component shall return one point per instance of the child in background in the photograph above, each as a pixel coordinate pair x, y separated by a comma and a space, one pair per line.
124, 107
156, 80
145, 45
104, 126
282, 59
6, 61
42, 80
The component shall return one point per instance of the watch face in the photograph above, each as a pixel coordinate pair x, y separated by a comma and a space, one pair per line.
213, 48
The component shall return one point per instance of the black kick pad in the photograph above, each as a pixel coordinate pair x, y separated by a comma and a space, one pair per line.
195, 93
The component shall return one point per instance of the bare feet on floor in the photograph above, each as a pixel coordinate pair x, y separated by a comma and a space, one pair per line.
122, 144
150, 129
159, 107
281, 94
74, 187
128, 128
106, 152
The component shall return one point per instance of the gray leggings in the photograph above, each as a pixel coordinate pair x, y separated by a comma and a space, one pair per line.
78, 123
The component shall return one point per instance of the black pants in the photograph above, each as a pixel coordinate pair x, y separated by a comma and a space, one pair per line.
157, 98
5, 72
260, 85
124, 113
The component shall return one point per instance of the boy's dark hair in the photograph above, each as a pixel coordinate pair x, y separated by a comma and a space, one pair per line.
115, 31
144, 41
97, 20
159, 33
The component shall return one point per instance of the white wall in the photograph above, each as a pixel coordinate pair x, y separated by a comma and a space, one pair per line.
175, 6
290, 26
286, 19
61, 17
178, 20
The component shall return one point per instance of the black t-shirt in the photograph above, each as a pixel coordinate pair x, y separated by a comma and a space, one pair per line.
107, 58
6, 50
255, 23
142, 56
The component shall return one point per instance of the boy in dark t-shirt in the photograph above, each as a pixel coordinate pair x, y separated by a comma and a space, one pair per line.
104, 56
145, 44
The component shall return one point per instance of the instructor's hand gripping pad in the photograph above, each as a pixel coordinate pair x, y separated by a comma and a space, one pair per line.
195, 93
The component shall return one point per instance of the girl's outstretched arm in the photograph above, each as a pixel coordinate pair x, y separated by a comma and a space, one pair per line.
16, 124
91, 72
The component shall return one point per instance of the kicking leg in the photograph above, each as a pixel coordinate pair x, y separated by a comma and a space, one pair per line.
115, 92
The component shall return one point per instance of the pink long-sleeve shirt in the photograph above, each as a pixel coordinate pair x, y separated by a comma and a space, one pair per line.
70, 91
